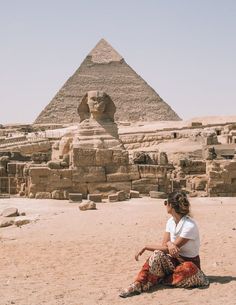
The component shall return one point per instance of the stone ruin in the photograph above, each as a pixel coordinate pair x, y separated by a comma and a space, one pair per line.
96, 157
89, 160
97, 150
105, 69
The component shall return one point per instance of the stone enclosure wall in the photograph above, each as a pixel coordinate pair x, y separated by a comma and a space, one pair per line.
98, 171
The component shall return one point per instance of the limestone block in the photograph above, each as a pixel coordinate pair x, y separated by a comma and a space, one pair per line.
87, 205
122, 172
58, 194
118, 177
152, 171
20, 169
28, 149
10, 212
64, 145
134, 194
196, 124
6, 222
158, 195
222, 189
11, 168
144, 157
121, 196
35, 172
231, 166
199, 183
193, 167
133, 171
214, 175
107, 188
211, 140
75, 197
95, 197
83, 157
20, 221
43, 195
65, 173
213, 166
34, 188
40, 157
113, 198
120, 157
144, 185
179, 184
89, 174
103, 157
54, 164
82, 188
60, 179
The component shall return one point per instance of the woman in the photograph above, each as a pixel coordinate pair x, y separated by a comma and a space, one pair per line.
176, 262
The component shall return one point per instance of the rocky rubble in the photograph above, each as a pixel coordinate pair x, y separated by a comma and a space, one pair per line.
11, 216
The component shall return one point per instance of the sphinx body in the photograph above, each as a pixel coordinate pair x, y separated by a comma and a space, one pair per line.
97, 128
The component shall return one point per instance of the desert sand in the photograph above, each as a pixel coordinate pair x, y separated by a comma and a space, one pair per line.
70, 257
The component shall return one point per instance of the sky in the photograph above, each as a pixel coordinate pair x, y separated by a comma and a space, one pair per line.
184, 49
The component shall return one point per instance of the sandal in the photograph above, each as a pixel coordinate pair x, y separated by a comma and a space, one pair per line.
133, 289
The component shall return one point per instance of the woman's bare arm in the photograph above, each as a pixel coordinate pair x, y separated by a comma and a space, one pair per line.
166, 238
174, 247
180, 241
163, 247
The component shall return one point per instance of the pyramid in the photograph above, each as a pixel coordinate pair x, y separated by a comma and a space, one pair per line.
105, 69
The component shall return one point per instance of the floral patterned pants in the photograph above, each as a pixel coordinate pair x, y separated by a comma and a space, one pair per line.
161, 267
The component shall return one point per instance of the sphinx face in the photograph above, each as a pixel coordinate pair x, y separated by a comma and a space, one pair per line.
96, 102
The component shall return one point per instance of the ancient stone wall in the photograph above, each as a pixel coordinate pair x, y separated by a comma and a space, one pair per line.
222, 178
98, 171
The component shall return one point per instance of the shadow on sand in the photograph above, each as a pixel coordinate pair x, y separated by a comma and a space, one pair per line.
221, 279
212, 279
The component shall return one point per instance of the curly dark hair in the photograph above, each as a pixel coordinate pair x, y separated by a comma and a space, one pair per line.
179, 202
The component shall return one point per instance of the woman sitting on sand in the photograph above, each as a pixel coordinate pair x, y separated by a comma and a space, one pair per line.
176, 262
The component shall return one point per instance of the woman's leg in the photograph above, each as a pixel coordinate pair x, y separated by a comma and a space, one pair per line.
156, 267
145, 279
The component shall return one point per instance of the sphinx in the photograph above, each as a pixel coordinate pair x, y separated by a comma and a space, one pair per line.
96, 130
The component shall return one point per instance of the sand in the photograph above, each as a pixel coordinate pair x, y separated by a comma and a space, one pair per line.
70, 257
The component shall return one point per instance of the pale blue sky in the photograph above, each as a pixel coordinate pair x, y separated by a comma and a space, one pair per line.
185, 49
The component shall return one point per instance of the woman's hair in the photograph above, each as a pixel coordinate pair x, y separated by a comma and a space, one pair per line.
179, 202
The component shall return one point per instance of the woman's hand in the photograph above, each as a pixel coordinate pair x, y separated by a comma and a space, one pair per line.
173, 249
139, 254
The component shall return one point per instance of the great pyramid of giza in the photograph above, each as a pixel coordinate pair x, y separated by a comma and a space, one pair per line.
104, 69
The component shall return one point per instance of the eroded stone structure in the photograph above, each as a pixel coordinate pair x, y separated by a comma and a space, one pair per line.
101, 155
104, 69
95, 157
91, 160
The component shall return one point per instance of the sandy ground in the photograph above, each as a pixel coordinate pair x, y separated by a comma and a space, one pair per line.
69, 257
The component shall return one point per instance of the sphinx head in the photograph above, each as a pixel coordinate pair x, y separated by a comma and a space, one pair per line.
96, 105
